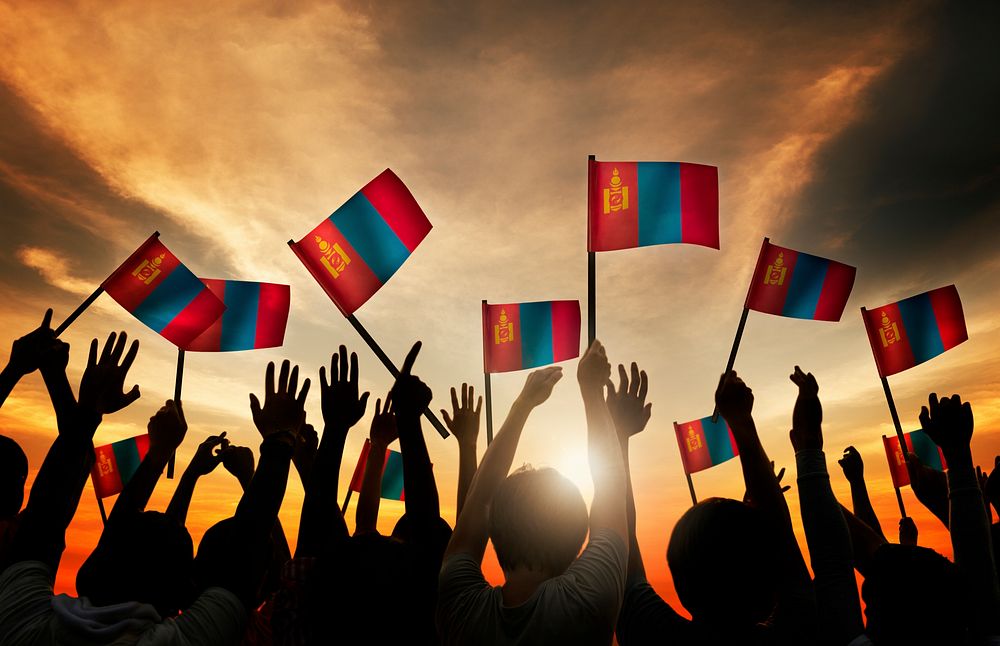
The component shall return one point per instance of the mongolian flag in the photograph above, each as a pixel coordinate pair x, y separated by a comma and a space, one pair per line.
116, 463
355, 251
637, 204
917, 442
162, 293
704, 443
799, 285
913, 330
527, 335
392, 473
255, 317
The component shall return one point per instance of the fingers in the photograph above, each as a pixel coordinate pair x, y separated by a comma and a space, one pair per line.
269, 381
378, 407
354, 368
345, 367
130, 356
454, 399
925, 418
465, 395
293, 380
47, 319
411, 358
322, 379
447, 418
108, 345
622, 380
643, 385
363, 402
119, 349
301, 399
254, 405
479, 406
388, 402
92, 356
933, 402
283, 377
132, 395
633, 386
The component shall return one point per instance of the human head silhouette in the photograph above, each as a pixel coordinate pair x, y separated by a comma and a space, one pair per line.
723, 560
537, 521
13, 474
145, 556
913, 595
226, 558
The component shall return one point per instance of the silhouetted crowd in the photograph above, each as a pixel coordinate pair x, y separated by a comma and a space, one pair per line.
571, 576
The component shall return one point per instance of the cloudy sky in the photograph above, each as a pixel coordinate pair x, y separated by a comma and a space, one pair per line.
861, 133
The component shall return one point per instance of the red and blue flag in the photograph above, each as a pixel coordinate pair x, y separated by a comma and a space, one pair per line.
907, 333
637, 204
799, 285
918, 443
704, 443
116, 463
162, 293
527, 335
255, 316
355, 251
392, 473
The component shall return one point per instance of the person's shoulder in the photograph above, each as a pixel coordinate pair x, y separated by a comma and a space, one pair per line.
25, 572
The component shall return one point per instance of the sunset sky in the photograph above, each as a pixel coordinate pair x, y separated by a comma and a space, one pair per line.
864, 133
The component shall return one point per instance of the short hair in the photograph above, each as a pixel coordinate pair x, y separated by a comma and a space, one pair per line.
723, 557
228, 559
146, 556
13, 475
537, 520
907, 582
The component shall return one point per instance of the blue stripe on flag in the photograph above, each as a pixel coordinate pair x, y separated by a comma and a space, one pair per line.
925, 449
239, 321
536, 334
169, 299
804, 291
921, 327
720, 448
126, 458
392, 476
659, 201
366, 231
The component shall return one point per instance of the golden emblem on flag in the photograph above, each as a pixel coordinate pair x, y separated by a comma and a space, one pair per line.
693, 440
334, 258
148, 270
900, 459
776, 271
503, 331
889, 332
104, 466
616, 195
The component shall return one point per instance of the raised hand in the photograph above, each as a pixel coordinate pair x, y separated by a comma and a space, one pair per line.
539, 384
384, 431
283, 411
29, 353
102, 385
807, 417
410, 396
948, 422
594, 369
627, 405
209, 454
853, 465
464, 419
733, 398
167, 429
907, 531
343, 406
238, 460
779, 476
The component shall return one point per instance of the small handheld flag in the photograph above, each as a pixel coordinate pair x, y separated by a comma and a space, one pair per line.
116, 463
161, 292
255, 317
704, 443
799, 285
637, 204
911, 331
919, 443
392, 473
527, 335
355, 251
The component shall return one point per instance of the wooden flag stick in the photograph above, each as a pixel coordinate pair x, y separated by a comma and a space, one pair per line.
677, 434
393, 370
591, 264
178, 382
885, 387
78, 311
489, 409
694, 498
100, 506
347, 499
899, 500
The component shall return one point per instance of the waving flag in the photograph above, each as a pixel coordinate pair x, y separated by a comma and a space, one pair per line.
636, 204
162, 293
255, 316
799, 285
527, 335
704, 443
907, 333
917, 442
392, 473
116, 463
355, 251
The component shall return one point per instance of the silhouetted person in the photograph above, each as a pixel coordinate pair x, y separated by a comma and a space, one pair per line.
854, 470
463, 422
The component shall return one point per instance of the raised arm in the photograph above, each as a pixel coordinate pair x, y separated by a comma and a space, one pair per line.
208, 456
464, 425
949, 423
930, 486
28, 354
411, 397
383, 433
854, 471
472, 528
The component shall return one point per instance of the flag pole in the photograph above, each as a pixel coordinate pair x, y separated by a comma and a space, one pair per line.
591, 263
885, 385
347, 499
486, 377
178, 382
677, 434
79, 310
899, 495
100, 506
393, 370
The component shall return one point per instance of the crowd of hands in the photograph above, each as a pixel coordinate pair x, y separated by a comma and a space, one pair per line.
248, 554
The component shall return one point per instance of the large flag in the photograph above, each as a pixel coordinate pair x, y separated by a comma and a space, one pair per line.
907, 333
527, 335
636, 204
917, 442
162, 293
355, 251
799, 285
704, 443
255, 316
392, 473
116, 463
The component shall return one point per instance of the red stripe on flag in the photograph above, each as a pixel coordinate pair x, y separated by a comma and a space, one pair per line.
143, 272
142, 445
193, 319
359, 471
613, 224
394, 202
888, 339
693, 446
769, 285
700, 205
502, 337
105, 474
273, 303
836, 290
565, 330
211, 339
950, 318
897, 462
354, 283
